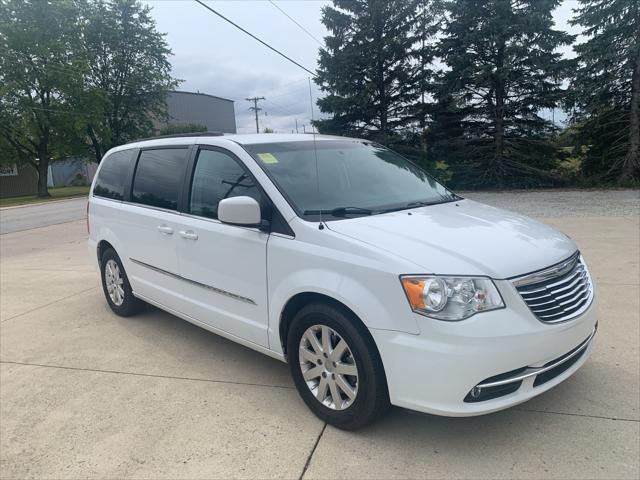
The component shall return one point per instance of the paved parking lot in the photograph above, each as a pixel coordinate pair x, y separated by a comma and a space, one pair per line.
86, 394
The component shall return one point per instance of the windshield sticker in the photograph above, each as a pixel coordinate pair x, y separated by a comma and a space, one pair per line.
267, 158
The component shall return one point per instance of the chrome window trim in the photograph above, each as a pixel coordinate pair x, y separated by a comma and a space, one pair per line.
98, 197
218, 222
151, 207
203, 285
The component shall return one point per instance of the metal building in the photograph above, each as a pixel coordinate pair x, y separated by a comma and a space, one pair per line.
215, 113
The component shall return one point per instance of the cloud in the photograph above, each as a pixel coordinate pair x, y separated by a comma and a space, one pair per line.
214, 57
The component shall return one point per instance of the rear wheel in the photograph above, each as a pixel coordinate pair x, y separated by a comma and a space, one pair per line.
336, 367
116, 287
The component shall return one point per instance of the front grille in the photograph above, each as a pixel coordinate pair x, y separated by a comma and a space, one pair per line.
557, 293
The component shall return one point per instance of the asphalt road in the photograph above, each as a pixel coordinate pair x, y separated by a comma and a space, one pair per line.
17, 219
87, 394
537, 203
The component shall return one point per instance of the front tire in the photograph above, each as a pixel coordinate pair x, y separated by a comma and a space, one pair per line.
116, 286
336, 367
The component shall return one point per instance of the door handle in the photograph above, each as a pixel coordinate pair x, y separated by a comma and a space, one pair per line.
189, 234
165, 229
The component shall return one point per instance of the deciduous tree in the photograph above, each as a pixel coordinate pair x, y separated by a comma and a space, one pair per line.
129, 73
40, 69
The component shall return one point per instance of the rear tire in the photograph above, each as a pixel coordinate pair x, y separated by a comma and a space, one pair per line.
116, 287
344, 364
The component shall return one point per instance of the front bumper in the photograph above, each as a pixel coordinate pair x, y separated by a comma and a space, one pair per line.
508, 353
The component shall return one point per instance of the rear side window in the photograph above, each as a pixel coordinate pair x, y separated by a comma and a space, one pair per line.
158, 177
113, 175
218, 176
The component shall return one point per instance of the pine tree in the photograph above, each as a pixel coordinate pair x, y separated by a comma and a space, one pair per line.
428, 18
605, 92
366, 69
504, 70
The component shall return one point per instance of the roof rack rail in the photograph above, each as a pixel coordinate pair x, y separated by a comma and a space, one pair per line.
180, 135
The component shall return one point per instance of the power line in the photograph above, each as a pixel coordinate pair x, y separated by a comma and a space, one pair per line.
286, 109
300, 26
254, 37
290, 92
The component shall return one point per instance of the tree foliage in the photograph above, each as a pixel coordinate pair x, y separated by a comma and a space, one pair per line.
78, 73
366, 68
173, 129
605, 92
129, 72
40, 70
462, 83
504, 69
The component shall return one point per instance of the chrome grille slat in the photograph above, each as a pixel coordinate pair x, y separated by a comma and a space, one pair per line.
536, 305
581, 286
582, 294
566, 311
563, 292
566, 287
576, 304
555, 284
542, 310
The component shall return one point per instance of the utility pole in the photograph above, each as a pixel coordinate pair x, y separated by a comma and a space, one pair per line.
255, 109
296, 126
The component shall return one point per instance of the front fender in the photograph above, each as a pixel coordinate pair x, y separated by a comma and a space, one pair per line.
375, 296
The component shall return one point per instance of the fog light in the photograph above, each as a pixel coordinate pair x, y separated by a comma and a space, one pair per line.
476, 391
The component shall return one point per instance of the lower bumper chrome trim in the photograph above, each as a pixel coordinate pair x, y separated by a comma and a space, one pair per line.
532, 371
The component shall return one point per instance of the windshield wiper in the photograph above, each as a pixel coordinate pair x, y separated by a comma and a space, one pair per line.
341, 211
419, 203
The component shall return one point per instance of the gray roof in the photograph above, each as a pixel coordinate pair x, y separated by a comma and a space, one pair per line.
199, 93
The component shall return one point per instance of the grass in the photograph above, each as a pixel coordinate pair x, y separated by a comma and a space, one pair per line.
57, 193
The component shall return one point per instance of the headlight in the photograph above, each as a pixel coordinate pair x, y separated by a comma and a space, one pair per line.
450, 298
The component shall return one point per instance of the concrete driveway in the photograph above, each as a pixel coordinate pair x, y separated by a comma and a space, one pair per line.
86, 394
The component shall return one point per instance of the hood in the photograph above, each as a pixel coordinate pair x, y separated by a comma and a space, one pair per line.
462, 238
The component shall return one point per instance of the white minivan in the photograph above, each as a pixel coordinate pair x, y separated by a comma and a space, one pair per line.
374, 282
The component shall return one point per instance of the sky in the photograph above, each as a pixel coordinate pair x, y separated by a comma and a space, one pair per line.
213, 57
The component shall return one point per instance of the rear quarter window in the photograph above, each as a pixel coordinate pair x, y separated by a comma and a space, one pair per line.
112, 175
158, 177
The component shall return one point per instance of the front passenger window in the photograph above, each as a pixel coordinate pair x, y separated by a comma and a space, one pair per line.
218, 176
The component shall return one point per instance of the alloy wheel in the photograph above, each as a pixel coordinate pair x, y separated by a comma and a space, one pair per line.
114, 281
328, 367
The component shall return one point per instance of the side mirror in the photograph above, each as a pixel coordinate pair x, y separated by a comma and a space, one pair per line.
239, 211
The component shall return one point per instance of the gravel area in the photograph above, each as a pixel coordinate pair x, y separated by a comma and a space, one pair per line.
563, 203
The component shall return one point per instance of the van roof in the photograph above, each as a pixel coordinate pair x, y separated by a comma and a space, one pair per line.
216, 138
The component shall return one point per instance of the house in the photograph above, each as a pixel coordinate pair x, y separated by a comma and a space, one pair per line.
18, 180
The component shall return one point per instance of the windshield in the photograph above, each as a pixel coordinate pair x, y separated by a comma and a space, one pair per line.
351, 178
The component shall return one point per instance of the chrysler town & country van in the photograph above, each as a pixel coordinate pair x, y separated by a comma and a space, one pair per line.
376, 284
